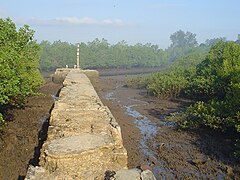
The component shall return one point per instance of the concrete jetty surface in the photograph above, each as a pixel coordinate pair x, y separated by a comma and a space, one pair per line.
84, 140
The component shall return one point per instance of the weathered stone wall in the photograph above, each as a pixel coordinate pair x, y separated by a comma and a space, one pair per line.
84, 140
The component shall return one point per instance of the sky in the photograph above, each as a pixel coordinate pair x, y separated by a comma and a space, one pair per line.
135, 21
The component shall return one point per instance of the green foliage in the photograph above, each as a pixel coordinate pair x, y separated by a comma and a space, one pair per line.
55, 55
2, 122
138, 81
166, 85
214, 82
190, 59
100, 54
203, 114
212, 79
216, 85
19, 55
212, 42
173, 80
215, 74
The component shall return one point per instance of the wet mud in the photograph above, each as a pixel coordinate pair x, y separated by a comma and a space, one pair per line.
24, 133
155, 143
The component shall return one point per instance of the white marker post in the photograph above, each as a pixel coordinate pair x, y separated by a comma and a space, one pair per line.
78, 56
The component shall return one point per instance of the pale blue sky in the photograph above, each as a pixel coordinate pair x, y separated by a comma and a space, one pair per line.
131, 20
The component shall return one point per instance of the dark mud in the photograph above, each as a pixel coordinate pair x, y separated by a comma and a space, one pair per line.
20, 139
158, 144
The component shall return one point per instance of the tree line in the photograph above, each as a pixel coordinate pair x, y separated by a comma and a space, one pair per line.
101, 54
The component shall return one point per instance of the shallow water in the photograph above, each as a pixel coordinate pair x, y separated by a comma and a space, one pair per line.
55, 98
148, 130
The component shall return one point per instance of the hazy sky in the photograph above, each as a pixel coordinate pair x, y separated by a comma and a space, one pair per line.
131, 20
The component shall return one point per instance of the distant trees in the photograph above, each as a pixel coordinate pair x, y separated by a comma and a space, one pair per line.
172, 81
19, 63
238, 39
100, 54
56, 54
182, 44
211, 42
183, 39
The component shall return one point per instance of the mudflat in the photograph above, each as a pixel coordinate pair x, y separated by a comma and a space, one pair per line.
23, 132
155, 143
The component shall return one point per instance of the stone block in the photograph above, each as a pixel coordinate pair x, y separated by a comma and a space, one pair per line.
83, 156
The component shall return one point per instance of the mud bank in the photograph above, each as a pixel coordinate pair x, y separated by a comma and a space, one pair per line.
20, 135
158, 144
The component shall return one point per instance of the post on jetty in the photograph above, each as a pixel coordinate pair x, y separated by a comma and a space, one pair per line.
78, 56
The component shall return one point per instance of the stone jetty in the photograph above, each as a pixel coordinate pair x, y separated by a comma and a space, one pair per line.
84, 140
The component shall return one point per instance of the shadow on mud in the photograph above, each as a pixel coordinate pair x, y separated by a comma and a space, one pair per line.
42, 136
217, 145
216, 149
